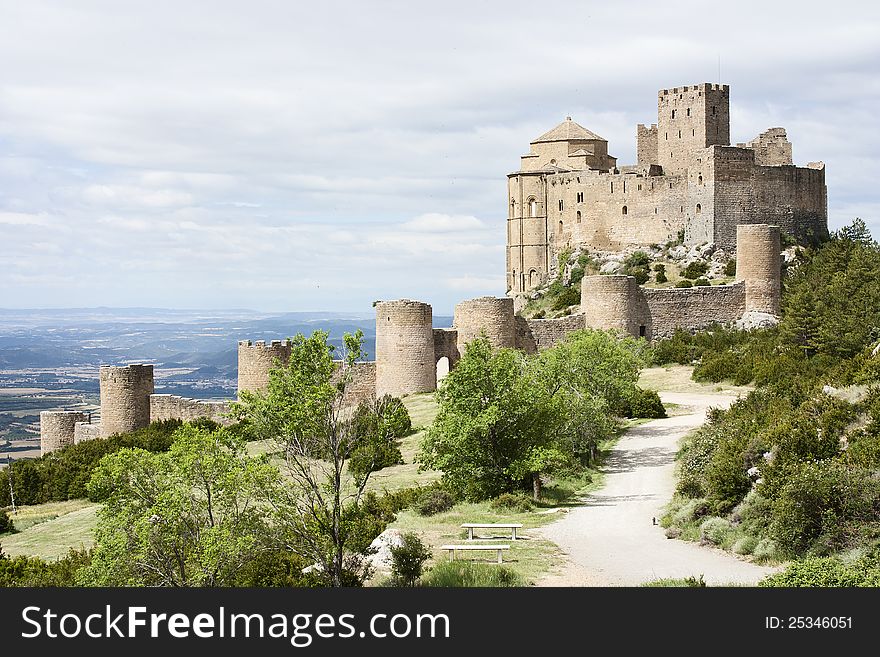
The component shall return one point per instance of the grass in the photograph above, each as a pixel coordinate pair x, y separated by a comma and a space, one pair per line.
53, 538
28, 516
677, 378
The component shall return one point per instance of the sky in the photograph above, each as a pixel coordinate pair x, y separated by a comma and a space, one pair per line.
304, 156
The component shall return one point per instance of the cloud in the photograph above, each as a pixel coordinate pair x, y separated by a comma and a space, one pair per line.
194, 154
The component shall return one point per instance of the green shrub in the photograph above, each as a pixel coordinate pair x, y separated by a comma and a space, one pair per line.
825, 572
6, 524
567, 296
379, 428
745, 545
661, 277
512, 502
408, 560
701, 282
823, 506
459, 574
433, 501
63, 474
730, 267
645, 404
684, 283
715, 530
695, 269
766, 550
33, 571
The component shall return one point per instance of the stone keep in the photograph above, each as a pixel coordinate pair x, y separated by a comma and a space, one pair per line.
57, 429
759, 265
256, 359
125, 398
491, 315
404, 348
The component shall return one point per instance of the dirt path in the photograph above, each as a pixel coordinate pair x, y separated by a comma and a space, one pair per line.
611, 540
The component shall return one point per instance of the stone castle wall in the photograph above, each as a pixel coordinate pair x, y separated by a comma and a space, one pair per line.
690, 118
173, 407
57, 429
86, 431
125, 398
405, 362
489, 316
646, 144
693, 308
446, 345
534, 335
362, 385
255, 359
771, 147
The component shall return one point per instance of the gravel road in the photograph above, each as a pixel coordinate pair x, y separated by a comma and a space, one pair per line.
611, 539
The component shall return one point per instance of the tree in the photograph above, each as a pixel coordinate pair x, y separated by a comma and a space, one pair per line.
378, 426
322, 513
187, 517
491, 416
408, 559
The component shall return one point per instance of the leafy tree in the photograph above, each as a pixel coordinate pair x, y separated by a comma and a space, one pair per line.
187, 517
378, 426
322, 515
695, 269
408, 560
6, 523
490, 418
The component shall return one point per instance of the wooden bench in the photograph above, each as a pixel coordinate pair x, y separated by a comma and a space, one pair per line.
472, 546
512, 526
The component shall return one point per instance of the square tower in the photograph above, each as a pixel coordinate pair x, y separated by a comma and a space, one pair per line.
690, 118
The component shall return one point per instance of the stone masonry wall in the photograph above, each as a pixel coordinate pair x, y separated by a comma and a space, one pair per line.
759, 265
537, 334
256, 359
362, 386
173, 407
646, 144
693, 308
491, 316
86, 431
125, 398
446, 345
771, 147
405, 362
57, 429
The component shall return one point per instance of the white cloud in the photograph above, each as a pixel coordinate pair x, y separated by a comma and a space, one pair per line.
196, 154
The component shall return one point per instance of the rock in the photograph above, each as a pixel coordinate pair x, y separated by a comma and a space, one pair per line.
720, 256
753, 471
829, 390
706, 250
876, 350
755, 320
679, 252
610, 267
381, 559
673, 532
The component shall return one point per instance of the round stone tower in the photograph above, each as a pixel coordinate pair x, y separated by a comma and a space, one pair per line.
759, 265
256, 359
125, 398
614, 302
57, 429
404, 348
491, 315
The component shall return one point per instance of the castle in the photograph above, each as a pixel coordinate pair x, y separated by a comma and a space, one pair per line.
569, 191
732, 192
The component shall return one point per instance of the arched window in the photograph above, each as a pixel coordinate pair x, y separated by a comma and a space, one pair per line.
533, 278
579, 216
560, 228
624, 210
533, 208
700, 180
512, 208
699, 208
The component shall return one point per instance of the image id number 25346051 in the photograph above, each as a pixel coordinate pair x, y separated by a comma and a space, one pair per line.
808, 622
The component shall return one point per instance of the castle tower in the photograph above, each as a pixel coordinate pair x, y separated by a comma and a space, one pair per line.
404, 348
490, 314
125, 398
256, 359
690, 118
759, 264
57, 429
615, 302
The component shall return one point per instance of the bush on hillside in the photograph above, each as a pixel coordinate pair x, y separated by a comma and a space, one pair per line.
6, 524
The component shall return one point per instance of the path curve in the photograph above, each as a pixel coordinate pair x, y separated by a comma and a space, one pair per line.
611, 537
